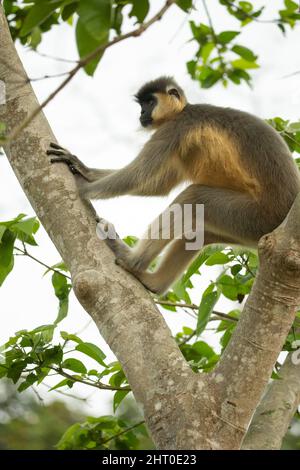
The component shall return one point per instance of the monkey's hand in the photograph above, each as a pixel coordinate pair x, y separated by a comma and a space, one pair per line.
62, 155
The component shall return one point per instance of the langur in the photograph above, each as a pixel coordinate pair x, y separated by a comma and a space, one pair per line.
235, 164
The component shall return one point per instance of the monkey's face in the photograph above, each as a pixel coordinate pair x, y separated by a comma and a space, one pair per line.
147, 106
160, 100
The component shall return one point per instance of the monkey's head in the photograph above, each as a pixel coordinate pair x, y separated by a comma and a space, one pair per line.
160, 100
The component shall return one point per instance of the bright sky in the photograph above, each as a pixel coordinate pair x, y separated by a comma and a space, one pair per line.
98, 120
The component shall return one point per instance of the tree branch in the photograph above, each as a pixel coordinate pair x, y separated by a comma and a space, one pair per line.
183, 410
246, 365
150, 357
82, 63
276, 410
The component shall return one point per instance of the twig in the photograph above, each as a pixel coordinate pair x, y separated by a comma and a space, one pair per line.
52, 57
69, 395
25, 253
83, 62
122, 432
45, 77
248, 15
99, 385
213, 32
195, 307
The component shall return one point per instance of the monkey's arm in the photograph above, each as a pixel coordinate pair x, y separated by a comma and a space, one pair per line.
61, 155
152, 173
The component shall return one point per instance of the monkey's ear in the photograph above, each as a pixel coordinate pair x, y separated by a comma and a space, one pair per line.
174, 92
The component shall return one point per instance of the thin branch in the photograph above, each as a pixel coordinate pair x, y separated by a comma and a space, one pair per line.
52, 57
83, 62
276, 409
213, 32
69, 395
99, 385
122, 432
25, 253
248, 15
195, 307
45, 77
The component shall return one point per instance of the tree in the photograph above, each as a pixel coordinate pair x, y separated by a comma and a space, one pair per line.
182, 408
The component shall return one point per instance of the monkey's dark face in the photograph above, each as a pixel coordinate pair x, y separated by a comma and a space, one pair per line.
147, 106
160, 100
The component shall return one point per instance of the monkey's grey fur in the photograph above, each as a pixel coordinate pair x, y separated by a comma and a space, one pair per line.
237, 165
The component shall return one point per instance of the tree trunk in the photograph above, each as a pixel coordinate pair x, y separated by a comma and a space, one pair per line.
183, 410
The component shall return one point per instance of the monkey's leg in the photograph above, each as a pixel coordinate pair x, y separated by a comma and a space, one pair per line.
165, 228
232, 216
62, 155
140, 256
174, 263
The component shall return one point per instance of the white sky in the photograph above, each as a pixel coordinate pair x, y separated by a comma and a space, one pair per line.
97, 119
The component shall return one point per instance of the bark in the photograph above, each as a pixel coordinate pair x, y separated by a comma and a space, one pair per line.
122, 309
183, 410
277, 408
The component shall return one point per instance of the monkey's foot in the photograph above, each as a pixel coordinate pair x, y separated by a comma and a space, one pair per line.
106, 231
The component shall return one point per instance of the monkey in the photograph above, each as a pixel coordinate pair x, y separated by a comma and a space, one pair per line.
233, 163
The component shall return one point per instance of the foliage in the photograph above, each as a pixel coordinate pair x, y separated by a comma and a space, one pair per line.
220, 56
29, 357
102, 433
25, 424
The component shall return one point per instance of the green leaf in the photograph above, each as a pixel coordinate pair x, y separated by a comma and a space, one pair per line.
62, 310
293, 127
246, 6
118, 398
52, 356
69, 10
92, 351
28, 226
30, 380
185, 5
290, 5
60, 384
69, 438
38, 14
70, 337
2, 230
229, 287
245, 53
62, 290
217, 258
226, 36
6, 254
206, 252
95, 16
205, 309
244, 64
75, 365
87, 44
211, 79
140, 9
206, 50
117, 379
15, 370
60, 266
47, 332
203, 349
